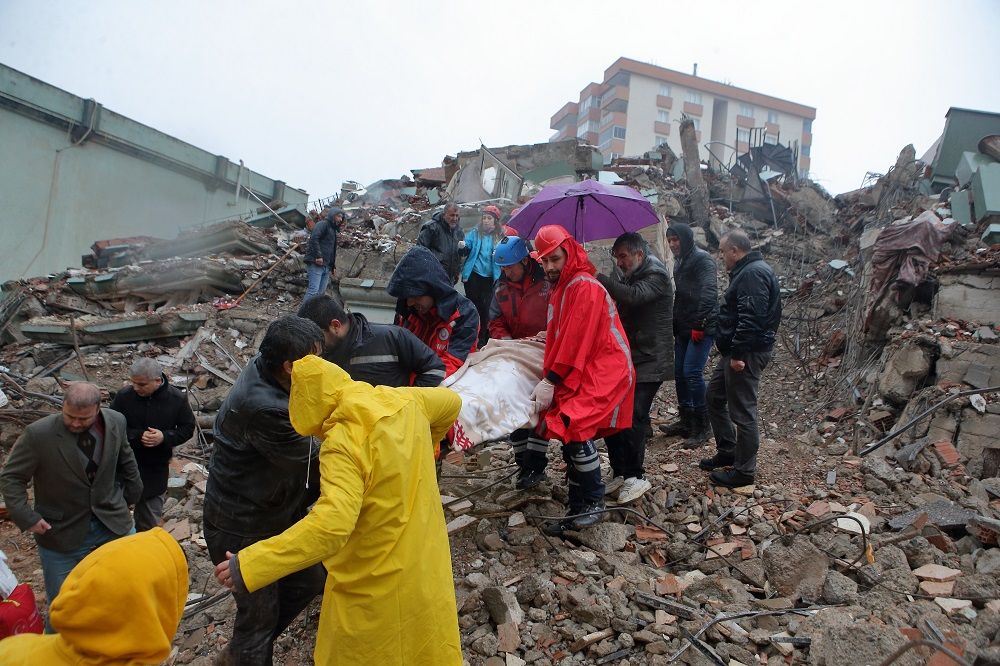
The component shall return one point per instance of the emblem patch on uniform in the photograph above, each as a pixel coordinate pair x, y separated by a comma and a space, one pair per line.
443, 333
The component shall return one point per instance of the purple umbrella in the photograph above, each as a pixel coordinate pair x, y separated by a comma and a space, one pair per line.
588, 210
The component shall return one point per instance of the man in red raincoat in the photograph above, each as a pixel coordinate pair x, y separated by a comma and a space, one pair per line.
588, 383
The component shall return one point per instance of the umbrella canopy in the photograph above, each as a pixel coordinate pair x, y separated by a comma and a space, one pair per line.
588, 210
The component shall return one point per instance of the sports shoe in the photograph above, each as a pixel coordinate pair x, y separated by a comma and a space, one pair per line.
528, 480
613, 485
633, 489
593, 519
720, 459
731, 478
556, 528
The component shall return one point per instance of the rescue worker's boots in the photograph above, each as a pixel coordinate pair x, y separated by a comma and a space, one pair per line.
700, 429
679, 428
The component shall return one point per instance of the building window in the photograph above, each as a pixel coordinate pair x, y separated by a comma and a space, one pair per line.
772, 117
606, 118
742, 135
659, 141
746, 111
662, 116
771, 139
664, 90
697, 124
619, 132
805, 150
807, 126
589, 126
693, 97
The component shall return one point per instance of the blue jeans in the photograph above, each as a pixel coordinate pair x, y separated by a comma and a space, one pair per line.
319, 278
689, 364
56, 566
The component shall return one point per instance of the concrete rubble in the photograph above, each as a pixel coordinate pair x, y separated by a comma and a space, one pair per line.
833, 558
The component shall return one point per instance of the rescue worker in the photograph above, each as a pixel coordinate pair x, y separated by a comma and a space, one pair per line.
748, 322
588, 382
480, 272
120, 606
380, 354
645, 300
443, 236
696, 311
378, 526
519, 307
430, 308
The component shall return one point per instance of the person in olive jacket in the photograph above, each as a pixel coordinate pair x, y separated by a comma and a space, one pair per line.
443, 236
645, 299
696, 311
158, 418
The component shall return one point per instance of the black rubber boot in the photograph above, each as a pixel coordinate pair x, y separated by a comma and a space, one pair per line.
700, 430
720, 459
679, 428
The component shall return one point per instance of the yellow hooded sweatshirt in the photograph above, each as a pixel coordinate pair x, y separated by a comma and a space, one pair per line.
120, 606
378, 526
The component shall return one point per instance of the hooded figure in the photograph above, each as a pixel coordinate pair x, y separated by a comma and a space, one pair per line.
378, 526
120, 606
428, 305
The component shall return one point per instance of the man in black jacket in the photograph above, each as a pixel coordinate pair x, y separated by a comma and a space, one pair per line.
158, 418
645, 300
379, 354
748, 320
444, 237
262, 478
321, 251
696, 310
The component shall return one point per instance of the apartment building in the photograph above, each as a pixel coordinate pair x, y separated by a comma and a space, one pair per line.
638, 106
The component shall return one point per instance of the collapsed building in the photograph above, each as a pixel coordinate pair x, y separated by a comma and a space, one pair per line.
844, 552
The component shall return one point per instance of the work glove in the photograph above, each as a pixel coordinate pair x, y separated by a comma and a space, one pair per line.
542, 395
697, 335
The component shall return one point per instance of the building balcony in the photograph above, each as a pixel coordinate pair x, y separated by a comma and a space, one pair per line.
694, 109
772, 128
615, 99
745, 121
618, 118
664, 102
564, 115
661, 128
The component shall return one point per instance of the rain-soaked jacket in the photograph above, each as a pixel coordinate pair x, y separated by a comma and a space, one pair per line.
378, 526
451, 328
585, 345
120, 606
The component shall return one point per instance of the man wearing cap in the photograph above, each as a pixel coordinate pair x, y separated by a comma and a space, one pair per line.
588, 379
480, 273
519, 307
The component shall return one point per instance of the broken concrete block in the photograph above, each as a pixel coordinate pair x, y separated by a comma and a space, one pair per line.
906, 370
937, 573
839, 589
968, 297
796, 570
858, 643
991, 235
978, 433
502, 605
952, 606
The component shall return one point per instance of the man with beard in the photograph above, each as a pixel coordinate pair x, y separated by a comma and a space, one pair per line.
588, 379
645, 297
443, 236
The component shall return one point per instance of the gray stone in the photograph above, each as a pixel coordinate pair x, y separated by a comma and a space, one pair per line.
486, 645
606, 537
44, 385
891, 557
881, 469
797, 570
988, 562
919, 552
968, 297
595, 614
942, 514
502, 605
979, 363
904, 372
839, 589
729, 591
859, 643
976, 585
978, 433
530, 586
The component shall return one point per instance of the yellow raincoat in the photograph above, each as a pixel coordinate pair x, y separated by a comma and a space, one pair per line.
120, 606
378, 526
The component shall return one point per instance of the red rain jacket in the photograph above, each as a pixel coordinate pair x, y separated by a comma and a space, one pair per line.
438, 334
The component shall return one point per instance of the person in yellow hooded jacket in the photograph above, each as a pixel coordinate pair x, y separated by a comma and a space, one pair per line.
120, 606
378, 526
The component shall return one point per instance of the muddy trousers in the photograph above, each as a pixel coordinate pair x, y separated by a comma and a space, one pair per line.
261, 616
627, 448
732, 409
530, 451
583, 473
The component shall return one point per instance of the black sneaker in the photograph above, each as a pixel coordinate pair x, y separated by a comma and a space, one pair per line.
593, 519
720, 459
556, 528
528, 480
731, 478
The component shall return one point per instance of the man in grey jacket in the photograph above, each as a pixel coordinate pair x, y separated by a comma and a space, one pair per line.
645, 296
443, 236
321, 251
84, 475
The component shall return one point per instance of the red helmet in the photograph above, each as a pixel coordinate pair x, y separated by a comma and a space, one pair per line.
494, 211
548, 239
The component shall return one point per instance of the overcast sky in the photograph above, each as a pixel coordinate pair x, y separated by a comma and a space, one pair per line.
314, 93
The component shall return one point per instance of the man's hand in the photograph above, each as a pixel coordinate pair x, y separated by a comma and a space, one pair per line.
461, 245
152, 437
737, 366
223, 573
318, 261
41, 527
542, 395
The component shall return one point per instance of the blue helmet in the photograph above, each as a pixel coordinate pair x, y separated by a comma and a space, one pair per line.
510, 251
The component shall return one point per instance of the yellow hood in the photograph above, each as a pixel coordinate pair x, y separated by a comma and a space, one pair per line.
123, 602
323, 394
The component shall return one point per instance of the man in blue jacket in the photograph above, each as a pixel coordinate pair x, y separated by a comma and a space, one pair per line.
321, 251
748, 321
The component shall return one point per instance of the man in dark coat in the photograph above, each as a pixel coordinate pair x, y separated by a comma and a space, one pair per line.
379, 354
429, 307
645, 298
696, 310
445, 239
748, 321
159, 418
321, 251
262, 478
